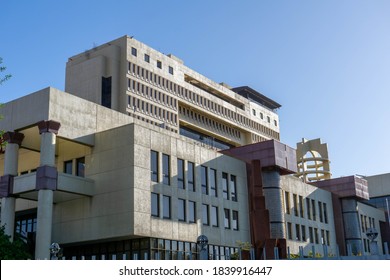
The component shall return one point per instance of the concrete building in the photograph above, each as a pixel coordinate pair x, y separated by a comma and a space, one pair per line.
141, 155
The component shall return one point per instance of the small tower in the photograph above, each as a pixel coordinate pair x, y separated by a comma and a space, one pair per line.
312, 160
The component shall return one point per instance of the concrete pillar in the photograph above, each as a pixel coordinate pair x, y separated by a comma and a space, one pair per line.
351, 225
46, 183
14, 140
273, 200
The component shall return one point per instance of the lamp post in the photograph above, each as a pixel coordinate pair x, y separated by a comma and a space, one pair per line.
54, 250
202, 242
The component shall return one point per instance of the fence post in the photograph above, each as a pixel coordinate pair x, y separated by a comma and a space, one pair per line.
301, 252
349, 250
386, 245
325, 248
313, 248
276, 253
288, 253
252, 253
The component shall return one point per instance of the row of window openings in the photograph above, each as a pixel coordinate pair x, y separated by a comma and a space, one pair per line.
311, 211
152, 110
151, 94
366, 224
134, 52
147, 120
208, 177
186, 212
261, 115
199, 100
299, 234
216, 125
80, 166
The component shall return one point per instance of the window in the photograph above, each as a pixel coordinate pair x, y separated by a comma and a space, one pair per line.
213, 182
106, 92
289, 231
268, 119
311, 240
227, 218
159, 64
170, 70
191, 212
225, 186
316, 235
325, 213
155, 209
327, 238
68, 166
320, 211
297, 232
313, 208
180, 174
301, 206
303, 232
80, 165
166, 169
235, 220
295, 201
166, 207
308, 208
214, 216
181, 209
323, 236
134, 51
254, 112
205, 214
233, 189
190, 176
203, 172
147, 58
287, 202
154, 166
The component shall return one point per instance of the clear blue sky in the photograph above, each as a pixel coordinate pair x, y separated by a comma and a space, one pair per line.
326, 62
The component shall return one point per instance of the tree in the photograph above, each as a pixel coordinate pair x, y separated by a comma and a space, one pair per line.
2, 69
16, 250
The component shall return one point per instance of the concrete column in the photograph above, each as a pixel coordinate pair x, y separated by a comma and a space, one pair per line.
14, 140
273, 200
46, 183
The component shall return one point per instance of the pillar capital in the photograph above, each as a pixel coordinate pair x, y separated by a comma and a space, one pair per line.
48, 126
13, 137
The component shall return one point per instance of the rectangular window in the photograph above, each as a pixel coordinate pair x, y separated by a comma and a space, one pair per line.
289, 231
327, 238
159, 64
235, 220
214, 216
313, 208
233, 188
166, 169
191, 212
181, 209
301, 206
320, 211
80, 167
297, 232
325, 213
205, 214
134, 51
170, 70
68, 167
154, 166
287, 202
316, 235
227, 218
155, 205
308, 208
106, 92
166, 207
323, 236
213, 182
303, 232
180, 174
225, 187
311, 239
191, 176
203, 176
295, 201
147, 58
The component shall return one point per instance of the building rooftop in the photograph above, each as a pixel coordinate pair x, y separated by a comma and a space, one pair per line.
256, 96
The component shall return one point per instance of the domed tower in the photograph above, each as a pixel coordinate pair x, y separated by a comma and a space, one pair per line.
313, 161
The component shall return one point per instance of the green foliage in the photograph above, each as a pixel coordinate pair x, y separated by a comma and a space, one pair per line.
16, 250
2, 69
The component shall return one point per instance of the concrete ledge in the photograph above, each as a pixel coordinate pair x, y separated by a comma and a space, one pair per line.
351, 186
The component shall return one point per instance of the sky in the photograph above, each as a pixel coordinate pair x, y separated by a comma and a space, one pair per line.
326, 62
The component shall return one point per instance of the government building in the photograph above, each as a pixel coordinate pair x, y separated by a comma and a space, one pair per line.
141, 155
